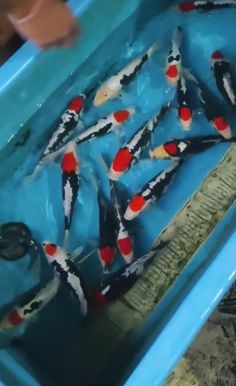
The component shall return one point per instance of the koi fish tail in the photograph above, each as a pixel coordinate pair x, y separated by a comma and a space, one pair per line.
66, 239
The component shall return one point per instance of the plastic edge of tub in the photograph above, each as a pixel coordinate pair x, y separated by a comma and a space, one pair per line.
188, 319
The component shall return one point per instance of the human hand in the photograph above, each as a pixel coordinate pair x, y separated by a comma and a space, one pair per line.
47, 23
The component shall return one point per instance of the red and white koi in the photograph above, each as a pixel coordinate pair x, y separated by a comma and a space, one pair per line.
67, 271
104, 126
184, 104
67, 124
151, 191
174, 60
107, 234
111, 88
131, 151
70, 186
224, 77
178, 148
28, 309
205, 6
122, 280
123, 239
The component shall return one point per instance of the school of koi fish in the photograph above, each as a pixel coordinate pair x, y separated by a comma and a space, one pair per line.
115, 219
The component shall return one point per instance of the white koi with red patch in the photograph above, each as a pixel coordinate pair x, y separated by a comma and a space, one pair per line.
30, 308
67, 271
173, 66
204, 5
151, 191
70, 185
104, 126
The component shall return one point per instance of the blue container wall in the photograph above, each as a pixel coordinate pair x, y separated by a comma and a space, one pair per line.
40, 92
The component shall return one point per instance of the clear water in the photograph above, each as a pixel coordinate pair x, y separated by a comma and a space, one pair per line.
40, 204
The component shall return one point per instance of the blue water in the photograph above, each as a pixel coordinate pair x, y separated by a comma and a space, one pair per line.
39, 205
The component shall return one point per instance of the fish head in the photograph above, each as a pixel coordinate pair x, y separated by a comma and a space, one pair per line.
69, 161
120, 164
185, 116
187, 6
50, 250
222, 126
107, 256
77, 104
172, 74
103, 95
125, 246
122, 115
216, 57
97, 299
136, 205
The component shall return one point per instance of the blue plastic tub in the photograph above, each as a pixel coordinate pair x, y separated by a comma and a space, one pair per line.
34, 89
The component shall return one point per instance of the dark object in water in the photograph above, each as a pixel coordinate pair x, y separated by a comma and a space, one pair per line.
15, 240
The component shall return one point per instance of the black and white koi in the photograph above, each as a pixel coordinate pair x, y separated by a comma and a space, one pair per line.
185, 110
28, 309
214, 114
178, 148
212, 109
104, 126
151, 191
67, 271
174, 60
122, 280
224, 77
111, 88
107, 233
131, 151
70, 186
67, 124
123, 239
205, 6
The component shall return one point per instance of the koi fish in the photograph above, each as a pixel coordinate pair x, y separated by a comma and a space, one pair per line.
173, 66
104, 126
213, 113
122, 280
212, 110
31, 306
151, 191
70, 186
68, 122
178, 148
107, 234
111, 88
123, 238
67, 271
203, 5
224, 77
131, 151
184, 104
